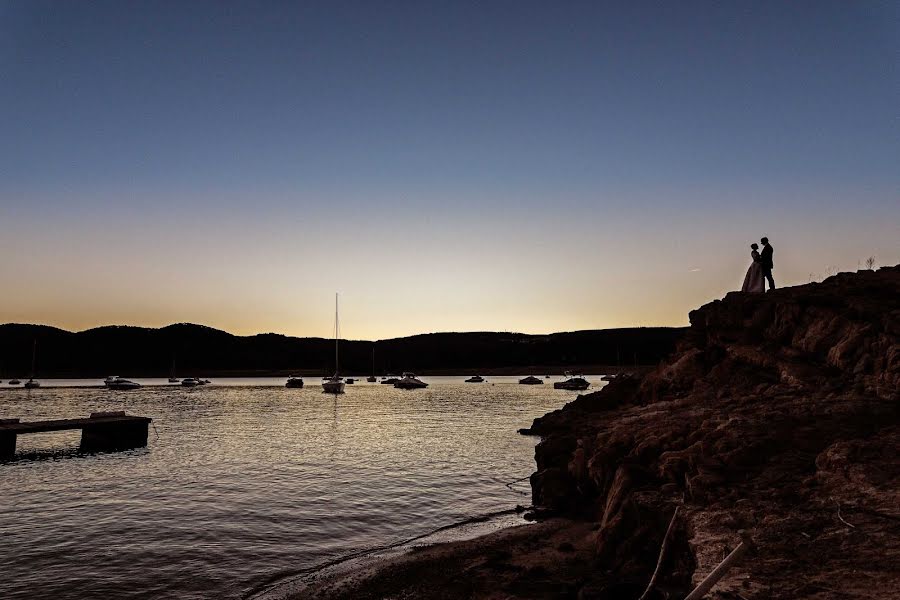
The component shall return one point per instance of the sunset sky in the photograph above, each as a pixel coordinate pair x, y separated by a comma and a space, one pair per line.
445, 166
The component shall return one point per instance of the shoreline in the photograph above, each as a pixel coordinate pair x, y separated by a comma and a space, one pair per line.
514, 553
520, 371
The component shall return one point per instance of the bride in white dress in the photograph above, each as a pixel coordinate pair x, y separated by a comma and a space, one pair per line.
754, 281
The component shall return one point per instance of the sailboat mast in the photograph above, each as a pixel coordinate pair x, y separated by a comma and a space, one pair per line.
33, 354
337, 330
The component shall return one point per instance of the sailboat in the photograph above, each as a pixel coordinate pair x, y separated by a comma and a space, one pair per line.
371, 378
31, 383
172, 378
334, 384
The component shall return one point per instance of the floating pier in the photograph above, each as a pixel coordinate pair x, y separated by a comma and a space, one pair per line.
101, 432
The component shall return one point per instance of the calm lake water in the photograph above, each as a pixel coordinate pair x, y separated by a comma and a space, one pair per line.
245, 481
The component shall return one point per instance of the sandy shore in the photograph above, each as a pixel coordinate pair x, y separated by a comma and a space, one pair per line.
550, 559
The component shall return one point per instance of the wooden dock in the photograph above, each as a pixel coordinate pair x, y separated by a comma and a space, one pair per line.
101, 432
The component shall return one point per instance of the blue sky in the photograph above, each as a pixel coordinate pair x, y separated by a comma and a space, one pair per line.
445, 165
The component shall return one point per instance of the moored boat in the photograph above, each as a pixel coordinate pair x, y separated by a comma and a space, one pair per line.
475, 379
410, 382
114, 382
31, 383
572, 382
371, 378
190, 382
14, 382
531, 380
335, 383
294, 381
390, 379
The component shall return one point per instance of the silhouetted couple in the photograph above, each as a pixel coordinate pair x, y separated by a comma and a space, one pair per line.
760, 270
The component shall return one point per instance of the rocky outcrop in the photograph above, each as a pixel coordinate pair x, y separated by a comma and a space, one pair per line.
778, 414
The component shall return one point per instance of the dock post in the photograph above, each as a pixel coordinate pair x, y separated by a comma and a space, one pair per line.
7, 445
7, 440
114, 436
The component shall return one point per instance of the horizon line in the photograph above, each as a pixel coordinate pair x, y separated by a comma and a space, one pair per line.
342, 339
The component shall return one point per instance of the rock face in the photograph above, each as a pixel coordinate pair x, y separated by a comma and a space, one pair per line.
778, 415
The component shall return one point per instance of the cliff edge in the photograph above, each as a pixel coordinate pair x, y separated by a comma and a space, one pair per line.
777, 415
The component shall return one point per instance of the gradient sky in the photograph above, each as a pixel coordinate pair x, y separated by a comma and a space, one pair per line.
446, 166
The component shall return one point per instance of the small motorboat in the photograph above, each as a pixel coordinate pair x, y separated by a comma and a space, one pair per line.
371, 379
115, 382
14, 382
475, 379
173, 380
572, 382
546, 377
390, 379
531, 380
32, 384
190, 382
349, 381
294, 381
409, 381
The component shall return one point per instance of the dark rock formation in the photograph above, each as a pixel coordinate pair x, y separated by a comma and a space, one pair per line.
778, 414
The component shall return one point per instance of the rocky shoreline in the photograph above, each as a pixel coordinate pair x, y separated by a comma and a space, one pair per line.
777, 416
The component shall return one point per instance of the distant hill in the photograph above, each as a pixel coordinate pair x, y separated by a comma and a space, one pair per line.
200, 350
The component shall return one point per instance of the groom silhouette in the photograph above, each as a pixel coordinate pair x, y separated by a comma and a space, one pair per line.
765, 261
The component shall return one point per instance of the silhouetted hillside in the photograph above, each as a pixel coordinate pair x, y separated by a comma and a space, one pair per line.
138, 351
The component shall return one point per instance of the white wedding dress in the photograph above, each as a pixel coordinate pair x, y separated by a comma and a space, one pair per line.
754, 281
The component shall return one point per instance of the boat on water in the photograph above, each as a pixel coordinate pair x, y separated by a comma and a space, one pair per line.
114, 382
475, 379
335, 384
31, 383
390, 379
191, 382
572, 382
14, 382
371, 378
172, 378
531, 380
294, 381
409, 381
349, 380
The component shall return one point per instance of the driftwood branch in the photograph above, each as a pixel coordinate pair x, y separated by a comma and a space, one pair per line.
662, 553
716, 574
840, 517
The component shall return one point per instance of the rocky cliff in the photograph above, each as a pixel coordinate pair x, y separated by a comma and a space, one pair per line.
777, 415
